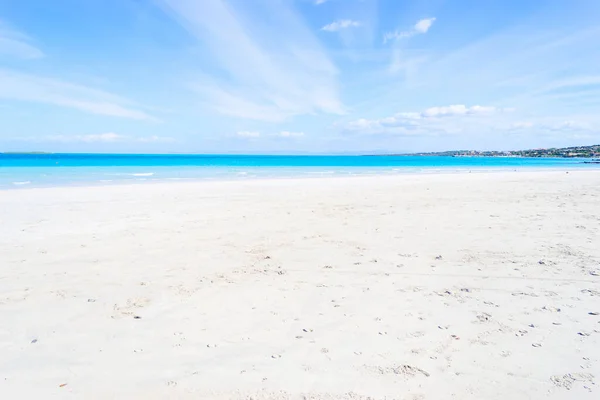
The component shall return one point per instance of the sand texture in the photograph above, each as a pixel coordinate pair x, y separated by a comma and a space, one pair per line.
456, 286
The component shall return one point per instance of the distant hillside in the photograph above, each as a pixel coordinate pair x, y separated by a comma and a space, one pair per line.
565, 152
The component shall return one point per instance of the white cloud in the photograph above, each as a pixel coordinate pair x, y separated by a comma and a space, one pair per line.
16, 44
422, 26
101, 137
155, 139
554, 125
260, 71
25, 87
569, 125
458, 109
341, 24
288, 134
433, 120
108, 137
248, 134
521, 125
282, 134
544, 71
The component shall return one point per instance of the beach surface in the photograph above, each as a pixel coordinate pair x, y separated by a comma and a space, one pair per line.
440, 286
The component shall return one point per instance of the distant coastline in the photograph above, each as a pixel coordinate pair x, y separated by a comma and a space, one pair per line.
591, 152
562, 152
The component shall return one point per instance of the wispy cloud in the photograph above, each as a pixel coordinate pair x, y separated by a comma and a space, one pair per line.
31, 88
155, 139
101, 137
534, 69
341, 24
433, 120
248, 134
260, 71
16, 44
256, 134
422, 26
288, 134
319, 2
521, 125
457, 109
108, 137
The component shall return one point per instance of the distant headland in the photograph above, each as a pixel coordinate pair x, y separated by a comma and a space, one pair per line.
563, 152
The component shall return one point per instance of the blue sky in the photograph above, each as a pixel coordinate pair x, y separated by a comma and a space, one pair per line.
298, 76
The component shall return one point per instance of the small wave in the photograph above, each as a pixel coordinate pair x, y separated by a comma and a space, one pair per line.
134, 174
22, 183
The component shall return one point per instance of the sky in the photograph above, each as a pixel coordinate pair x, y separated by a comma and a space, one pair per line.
298, 76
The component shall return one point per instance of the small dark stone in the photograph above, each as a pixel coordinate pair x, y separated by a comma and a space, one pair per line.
34, 341
541, 262
438, 258
137, 317
594, 313
465, 290
91, 300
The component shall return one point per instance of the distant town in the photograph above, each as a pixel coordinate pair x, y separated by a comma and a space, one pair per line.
564, 152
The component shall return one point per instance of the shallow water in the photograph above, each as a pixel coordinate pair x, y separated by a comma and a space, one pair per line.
42, 170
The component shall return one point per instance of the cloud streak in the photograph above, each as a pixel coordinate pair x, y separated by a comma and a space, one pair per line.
248, 134
256, 134
16, 44
31, 88
108, 137
288, 134
260, 71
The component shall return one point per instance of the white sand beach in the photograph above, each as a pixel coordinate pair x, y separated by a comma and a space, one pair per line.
441, 286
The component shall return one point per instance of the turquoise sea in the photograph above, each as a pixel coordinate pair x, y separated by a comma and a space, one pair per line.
42, 170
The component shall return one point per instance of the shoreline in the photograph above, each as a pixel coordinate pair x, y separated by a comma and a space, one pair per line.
389, 172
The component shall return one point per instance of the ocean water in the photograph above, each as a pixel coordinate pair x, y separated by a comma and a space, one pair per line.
43, 170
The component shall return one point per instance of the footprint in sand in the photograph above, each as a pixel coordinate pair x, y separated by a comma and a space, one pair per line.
130, 307
566, 381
